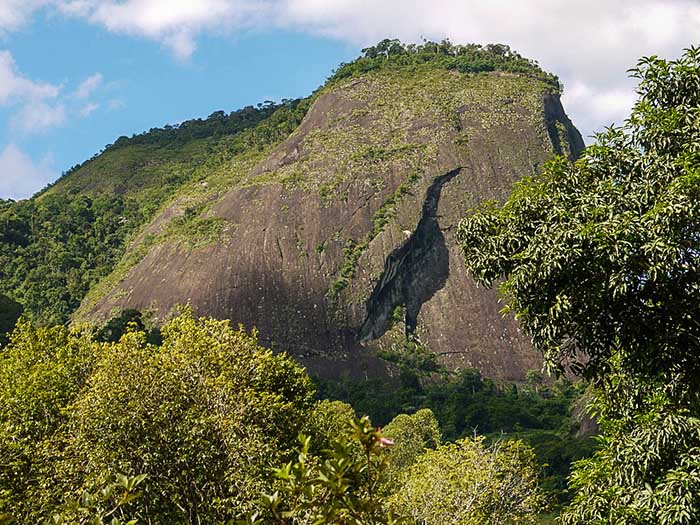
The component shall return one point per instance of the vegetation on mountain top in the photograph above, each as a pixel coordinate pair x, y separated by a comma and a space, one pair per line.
218, 124
152, 165
469, 58
600, 262
174, 137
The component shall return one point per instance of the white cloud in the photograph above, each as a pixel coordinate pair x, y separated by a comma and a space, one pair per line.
181, 43
593, 108
20, 177
589, 43
15, 86
36, 114
89, 85
38, 117
173, 23
42, 106
87, 109
115, 104
15, 13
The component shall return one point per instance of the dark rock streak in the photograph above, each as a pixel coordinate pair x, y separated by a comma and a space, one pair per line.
413, 272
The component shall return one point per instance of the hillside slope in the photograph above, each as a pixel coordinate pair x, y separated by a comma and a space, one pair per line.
340, 239
55, 246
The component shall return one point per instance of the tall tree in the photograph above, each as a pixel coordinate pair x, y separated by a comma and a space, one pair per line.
599, 260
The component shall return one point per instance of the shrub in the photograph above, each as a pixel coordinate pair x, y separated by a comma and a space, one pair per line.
469, 483
342, 488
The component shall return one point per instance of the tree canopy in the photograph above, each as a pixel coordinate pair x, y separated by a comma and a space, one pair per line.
205, 416
599, 261
190, 430
10, 311
53, 249
469, 58
470, 483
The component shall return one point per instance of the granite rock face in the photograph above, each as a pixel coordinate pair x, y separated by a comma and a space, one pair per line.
323, 240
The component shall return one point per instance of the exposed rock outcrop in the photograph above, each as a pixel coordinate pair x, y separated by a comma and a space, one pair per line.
355, 214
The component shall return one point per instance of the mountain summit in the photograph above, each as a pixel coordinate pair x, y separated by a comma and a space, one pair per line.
329, 223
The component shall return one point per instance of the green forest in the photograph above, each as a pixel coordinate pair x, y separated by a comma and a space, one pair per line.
193, 421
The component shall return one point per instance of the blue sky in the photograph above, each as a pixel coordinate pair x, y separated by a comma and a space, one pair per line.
130, 84
139, 85
77, 74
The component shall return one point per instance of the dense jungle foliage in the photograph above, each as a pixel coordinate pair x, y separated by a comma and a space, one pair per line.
205, 416
10, 312
197, 424
54, 248
541, 413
